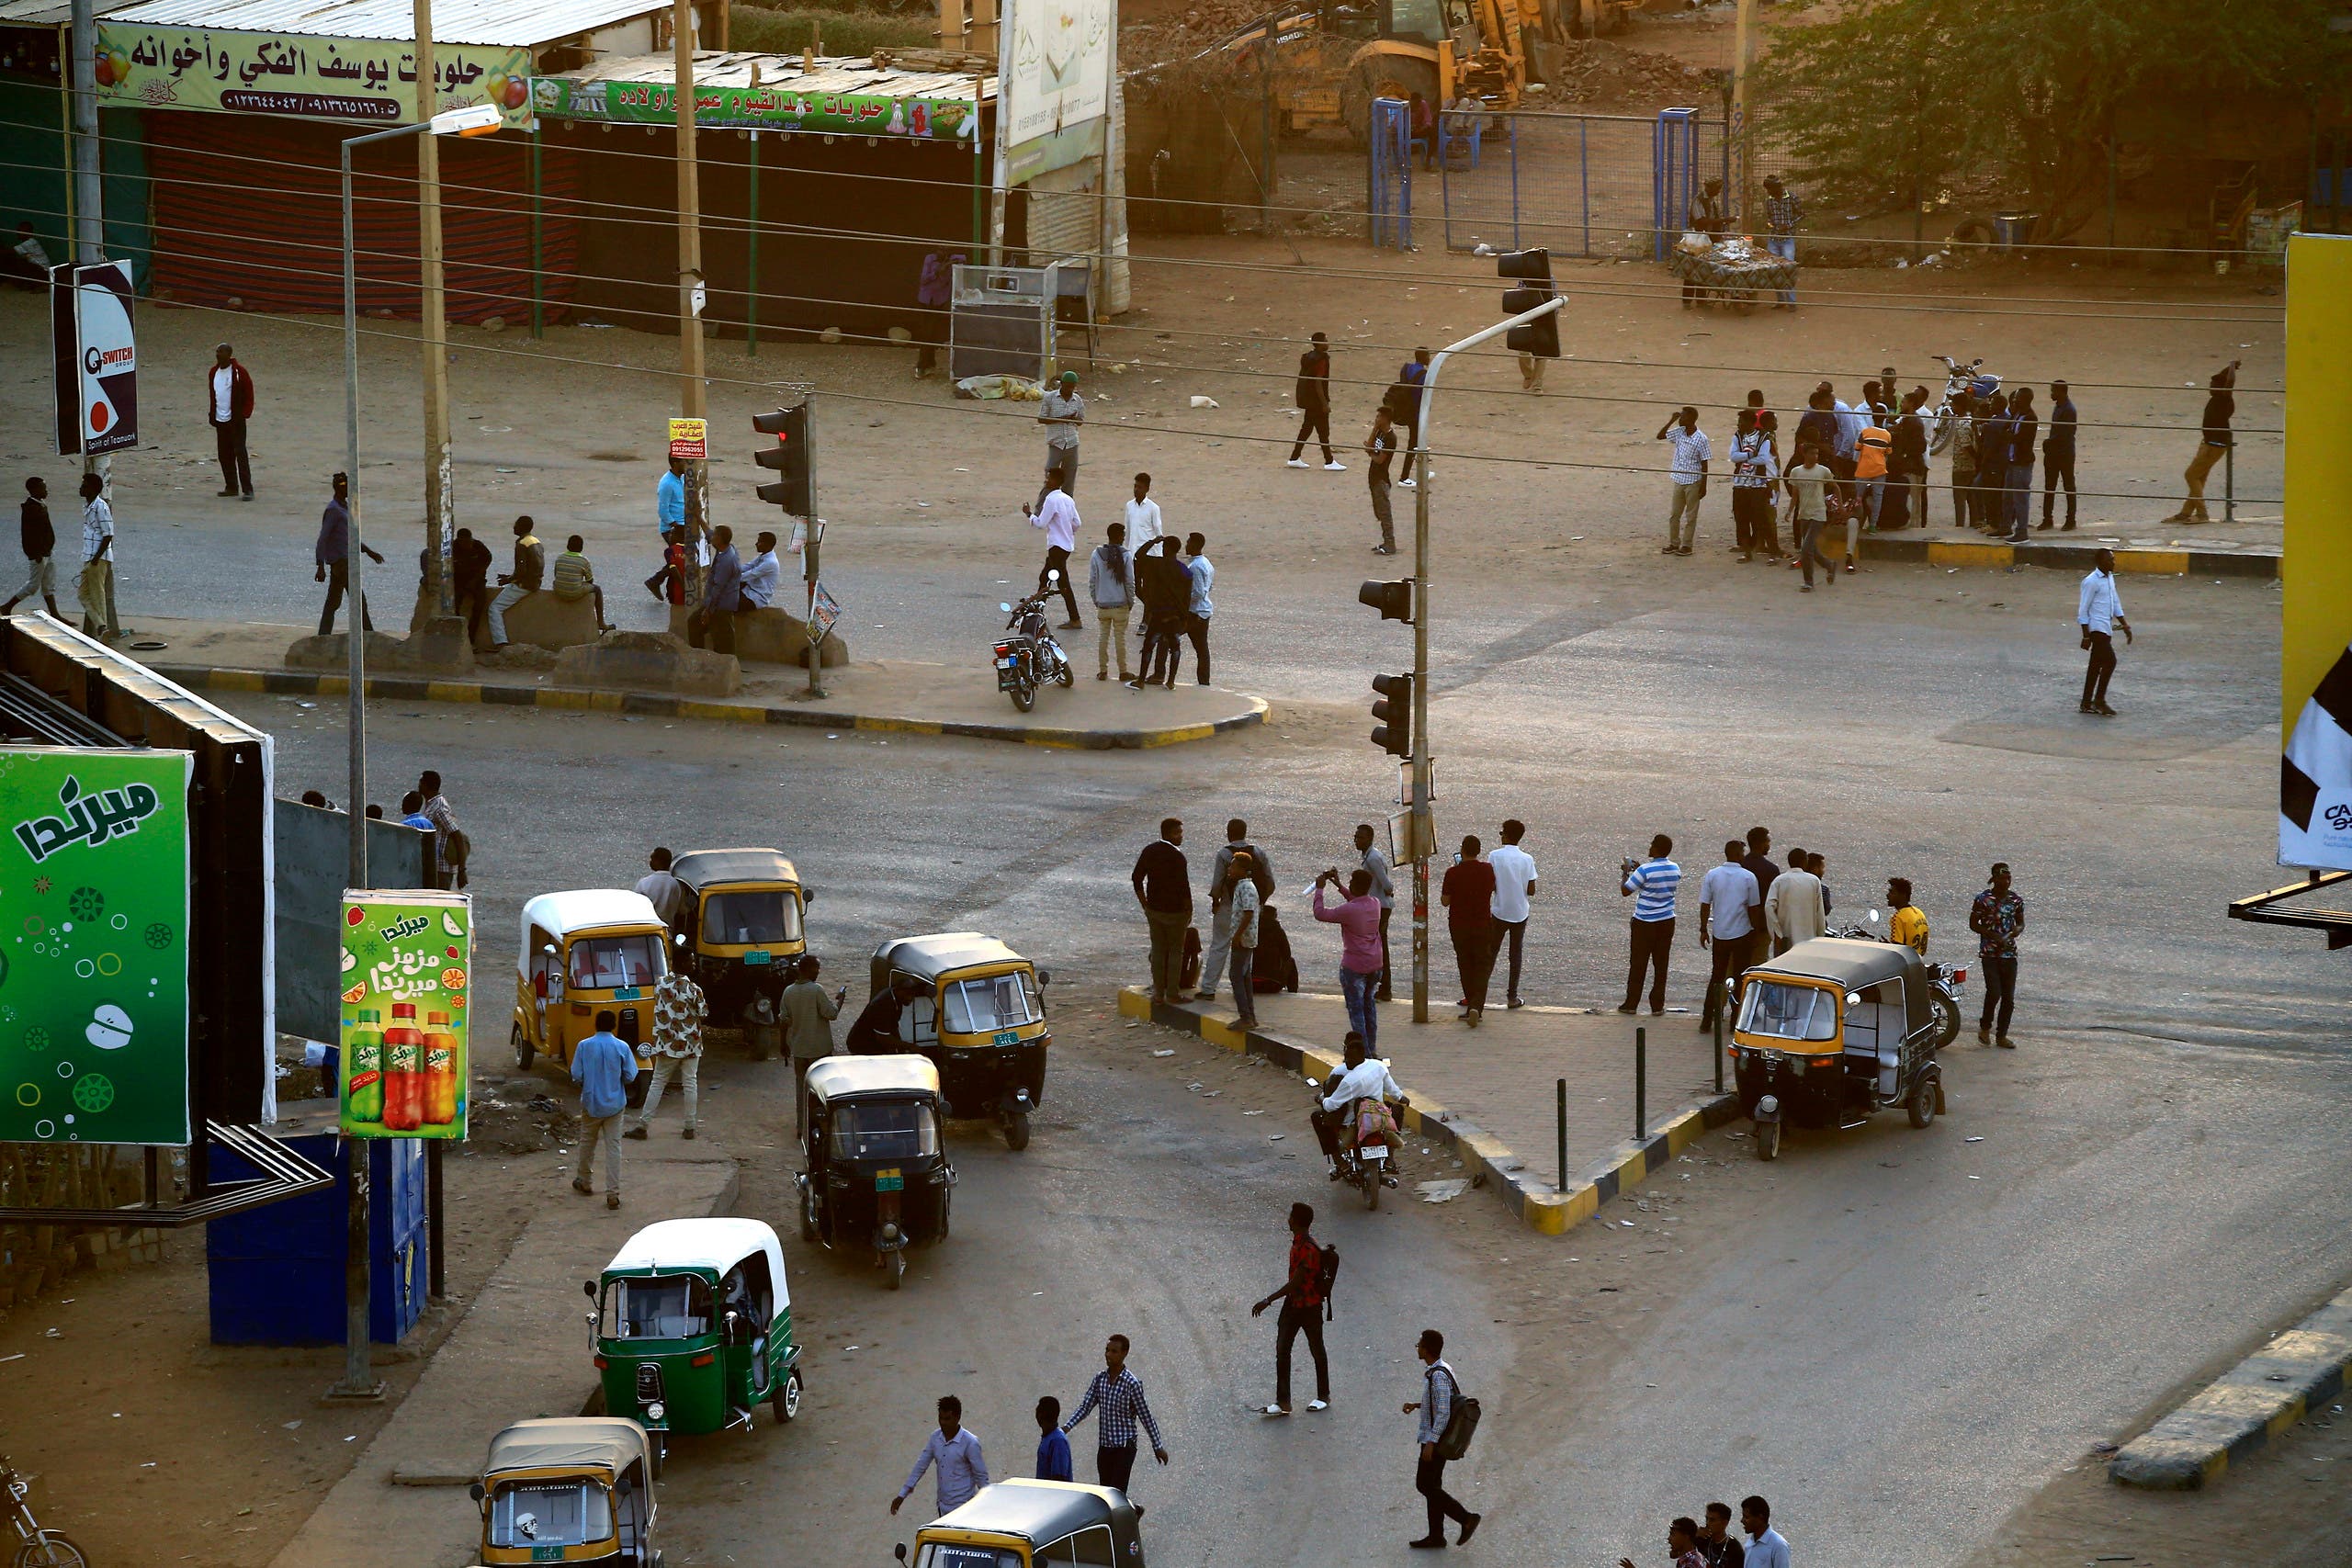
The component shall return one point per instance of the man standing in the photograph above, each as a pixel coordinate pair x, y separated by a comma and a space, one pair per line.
1203, 573
332, 557
1360, 951
97, 586
714, 623
1765, 1546
1964, 460
1753, 469
762, 575
470, 564
1056, 514
2017, 504
2058, 456
662, 888
960, 1471
1692, 452
1111, 583
1729, 910
678, 1011
1759, 863
1997, 917
1404, 398
2100, 612
602, 1065
1120, 1396
1514, 871
1241, 898
1907, 927
1468, 895
40, 539
809, 1013
1144, 522
1313, 395
530, 570
669, 497
1062, 412
444, 824
1438, 1391
1375, 860
229, 403
1381, 444
1782, 213
1163, 885
1237, 843
2212, 445
1796, 908
1907, 467
1651, 886
1301, 1294
1808, 485
1716, 1541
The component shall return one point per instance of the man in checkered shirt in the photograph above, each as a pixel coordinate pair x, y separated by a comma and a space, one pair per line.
678, 1011
1120, 1396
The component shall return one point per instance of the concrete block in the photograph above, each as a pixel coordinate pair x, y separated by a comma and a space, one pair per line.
651, 660
541, 618
442, 647
771, 636
439, 653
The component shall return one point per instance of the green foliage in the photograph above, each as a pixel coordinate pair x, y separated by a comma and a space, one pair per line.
769, 31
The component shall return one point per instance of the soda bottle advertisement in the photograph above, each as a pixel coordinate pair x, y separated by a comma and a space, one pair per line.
406, 960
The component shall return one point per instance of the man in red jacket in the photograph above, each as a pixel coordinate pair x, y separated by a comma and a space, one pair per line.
227, 403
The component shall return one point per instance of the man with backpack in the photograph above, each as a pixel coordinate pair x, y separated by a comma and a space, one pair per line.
1444, 1437
1306, 1296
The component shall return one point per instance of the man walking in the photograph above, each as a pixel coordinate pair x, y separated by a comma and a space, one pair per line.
1237, 843
953, 1455
1056, 514
2058, 456
1301, 1294
1381, 444
1782, 213
1438, 1391
1651, 886
1404, 403
1144, 522
2213, 442
1383, 888
1120, 1396
678, 1011
1997, 917
531, 571
229, 403
332, 557
1514, 871
1313, 395
602, 1065
1062, 412
1163, 885
1203, 573
1111, 583
661, 887
1468, 894
713, 624
2100, 612
1692, 453
1717, 1542
1242, 901
1796, 907
1360, 948
1730, 907
95, 588
1808, 484
1765, 1546
38, 536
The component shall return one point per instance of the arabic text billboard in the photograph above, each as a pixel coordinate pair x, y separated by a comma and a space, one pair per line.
2315, 650
1053, 83
294, 74
406, 961
860, 114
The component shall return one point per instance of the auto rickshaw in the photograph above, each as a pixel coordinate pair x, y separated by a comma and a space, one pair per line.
583, 953
694, 1328
576, 1489
1831, 1031
875, 1174
1029, 1524
742, 922
979, 1012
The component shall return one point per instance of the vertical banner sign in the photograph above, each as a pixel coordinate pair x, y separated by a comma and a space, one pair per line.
1052, 84
94, 911
95, 358
690, 439
2316, 650
406, 957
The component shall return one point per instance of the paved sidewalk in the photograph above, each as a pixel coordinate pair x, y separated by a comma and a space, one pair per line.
520, 1351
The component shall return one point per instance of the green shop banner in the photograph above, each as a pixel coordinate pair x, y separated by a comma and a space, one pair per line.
844, 114
94, 908
406, 958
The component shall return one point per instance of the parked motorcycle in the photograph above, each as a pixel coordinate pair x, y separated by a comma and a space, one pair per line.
1972, 378
36, 1547
1029, 657
1944, 980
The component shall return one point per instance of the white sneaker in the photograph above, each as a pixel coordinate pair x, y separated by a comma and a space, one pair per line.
1408, 484
1295, 463
1319, 1405
1332, 467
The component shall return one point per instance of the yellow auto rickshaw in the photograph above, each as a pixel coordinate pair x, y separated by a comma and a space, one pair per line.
978, 1010
576, 1489
585, 953
742, 922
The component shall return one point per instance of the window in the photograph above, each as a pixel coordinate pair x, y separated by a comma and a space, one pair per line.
608, 963
935, 1555
544, 1513
1416, 20
1000, 1001
545, 973
1783, 1011
878, 1131
753, 915
662, 1306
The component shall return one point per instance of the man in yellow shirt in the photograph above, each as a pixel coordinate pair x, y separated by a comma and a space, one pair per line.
1909, 927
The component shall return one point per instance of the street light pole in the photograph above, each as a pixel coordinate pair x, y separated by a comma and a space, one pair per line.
692, 393
1423, 830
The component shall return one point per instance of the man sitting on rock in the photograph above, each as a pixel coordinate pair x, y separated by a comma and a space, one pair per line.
530, 567
575, 580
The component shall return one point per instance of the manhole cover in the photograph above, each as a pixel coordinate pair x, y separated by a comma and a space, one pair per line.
150, 647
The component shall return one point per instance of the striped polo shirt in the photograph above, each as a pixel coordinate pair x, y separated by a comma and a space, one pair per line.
1653, 884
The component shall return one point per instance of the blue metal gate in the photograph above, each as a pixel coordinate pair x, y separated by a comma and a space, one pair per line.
1389, 173
1673, 177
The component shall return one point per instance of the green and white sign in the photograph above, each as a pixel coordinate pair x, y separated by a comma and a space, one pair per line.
94, 911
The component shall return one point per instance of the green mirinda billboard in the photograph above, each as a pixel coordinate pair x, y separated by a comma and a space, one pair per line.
407, 959
94, 911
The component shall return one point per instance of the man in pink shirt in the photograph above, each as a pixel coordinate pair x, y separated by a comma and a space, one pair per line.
1360, 951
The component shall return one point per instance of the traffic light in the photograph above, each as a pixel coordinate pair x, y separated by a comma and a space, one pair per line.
1394, 713
1392, 600
1540, 336
794, 456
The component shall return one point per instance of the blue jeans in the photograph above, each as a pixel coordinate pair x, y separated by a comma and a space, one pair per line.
1242, 970
1363, 1016
1785, 247
1873, 492
2018, 505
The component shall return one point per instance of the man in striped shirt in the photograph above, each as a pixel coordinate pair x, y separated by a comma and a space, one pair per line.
1651, 886
1120, 1396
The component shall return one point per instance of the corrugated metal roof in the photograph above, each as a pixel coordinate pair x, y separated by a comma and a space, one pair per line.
50, 13
734, 68
509, 24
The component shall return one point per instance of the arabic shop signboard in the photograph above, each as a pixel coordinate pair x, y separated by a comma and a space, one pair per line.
759, 109
406, 957
94, 911
370, 80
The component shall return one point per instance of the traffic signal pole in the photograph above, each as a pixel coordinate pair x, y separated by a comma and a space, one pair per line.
1424, 836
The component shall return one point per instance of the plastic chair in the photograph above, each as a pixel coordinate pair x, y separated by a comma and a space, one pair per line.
1450, 139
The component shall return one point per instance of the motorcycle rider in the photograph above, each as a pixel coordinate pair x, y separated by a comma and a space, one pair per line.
1365, 1078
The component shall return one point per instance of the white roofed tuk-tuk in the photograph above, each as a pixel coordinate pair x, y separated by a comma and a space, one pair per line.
978, 1010
1034, 1524
875, 1173
577, 1489
743, 926
1831, 1031
583, 953
693, 1324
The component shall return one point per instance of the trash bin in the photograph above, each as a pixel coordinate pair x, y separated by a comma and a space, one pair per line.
2012, 230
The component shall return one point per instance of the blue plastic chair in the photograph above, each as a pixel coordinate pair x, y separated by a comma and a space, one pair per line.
1450, 139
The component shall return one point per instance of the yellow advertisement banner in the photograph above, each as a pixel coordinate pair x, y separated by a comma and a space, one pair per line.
372, 81
2316, 652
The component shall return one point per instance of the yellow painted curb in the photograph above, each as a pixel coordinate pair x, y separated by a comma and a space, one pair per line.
1953, 552
1134, 1003
452, 692
2167, 562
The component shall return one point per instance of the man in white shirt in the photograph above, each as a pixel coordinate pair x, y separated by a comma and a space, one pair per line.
2100, 612
1363, 1077
762, 573
1143, 519
229, 403
1057, 516
1729, 907
96, 587
1692, 452
1765, 1546
1795, 910
955, 1453
1196, 624
1514, 871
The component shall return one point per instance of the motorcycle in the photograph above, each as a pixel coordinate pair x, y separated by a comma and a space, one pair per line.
1944, 980
1366, 1160
36, 1546
1971, 379
1029, 657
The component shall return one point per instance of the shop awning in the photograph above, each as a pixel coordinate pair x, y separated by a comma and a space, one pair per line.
913, 94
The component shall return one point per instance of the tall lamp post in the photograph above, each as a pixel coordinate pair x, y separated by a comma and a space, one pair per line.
478, 120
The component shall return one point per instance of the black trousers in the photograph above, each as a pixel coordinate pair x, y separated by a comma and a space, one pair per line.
1295, 1321
1516, 940
228, 443
1412, 433
339, 584
1474, 955
1733, 955
1161, 650
2000, 992
1058, 560
2102, 665
1653, 940
1113, 1466
1429, 1479
1197, 628
2057, 465
1318, 423
711, 629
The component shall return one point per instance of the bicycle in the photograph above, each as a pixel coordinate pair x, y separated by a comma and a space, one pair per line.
37, 1548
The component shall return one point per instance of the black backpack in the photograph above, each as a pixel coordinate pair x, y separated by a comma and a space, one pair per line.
1461, 1420
1326, 1274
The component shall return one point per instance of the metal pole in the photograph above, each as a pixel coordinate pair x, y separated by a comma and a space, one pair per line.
1723, 1005
1560, 1125
1641, 1083
1583, 179
816, 530
752, 289
433, 1231
1743, 61
440, 473
1514, 183
2230, 481
88, 193
691, 390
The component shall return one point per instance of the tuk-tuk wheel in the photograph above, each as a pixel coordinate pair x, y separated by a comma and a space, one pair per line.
523, 1052
788, 1396
1768, 1140
1016, 1131
1923, 1102
898, 1266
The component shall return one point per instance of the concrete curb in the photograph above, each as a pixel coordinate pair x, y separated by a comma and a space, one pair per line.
1977, 550
650, 705
1540, 1208
2246, 1406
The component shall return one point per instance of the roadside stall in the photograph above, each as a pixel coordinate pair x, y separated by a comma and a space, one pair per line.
1730, 270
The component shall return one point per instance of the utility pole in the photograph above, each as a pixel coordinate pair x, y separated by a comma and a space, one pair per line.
1743, 61
89, 199
440, 506
692, 393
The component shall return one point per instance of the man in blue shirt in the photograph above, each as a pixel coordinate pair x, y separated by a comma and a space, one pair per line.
952, 1454
602, 1065
669, 497
1052, 1449
714, 623
1765, 1546
1651, 886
